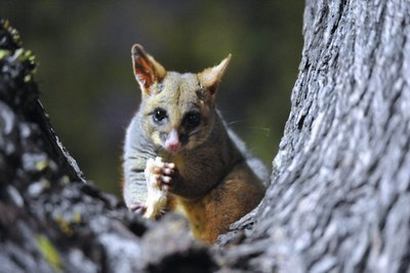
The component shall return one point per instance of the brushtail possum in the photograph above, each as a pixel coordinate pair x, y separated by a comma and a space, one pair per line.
179, 154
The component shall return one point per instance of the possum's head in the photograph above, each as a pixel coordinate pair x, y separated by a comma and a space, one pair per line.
178, 108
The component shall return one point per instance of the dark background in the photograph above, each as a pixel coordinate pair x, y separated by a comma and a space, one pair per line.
84, 72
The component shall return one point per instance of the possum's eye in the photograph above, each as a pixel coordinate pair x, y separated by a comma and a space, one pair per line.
192, 119
159, 115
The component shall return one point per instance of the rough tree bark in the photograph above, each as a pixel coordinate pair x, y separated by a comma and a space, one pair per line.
50, 219
339, 195
339, 199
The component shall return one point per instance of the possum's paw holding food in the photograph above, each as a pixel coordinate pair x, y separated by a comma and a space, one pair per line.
159, 174
158, 178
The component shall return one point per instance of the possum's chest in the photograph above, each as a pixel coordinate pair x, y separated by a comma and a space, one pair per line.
197, 172
179, 161
186, 166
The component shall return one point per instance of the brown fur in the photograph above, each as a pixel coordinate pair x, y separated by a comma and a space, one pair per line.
235, 196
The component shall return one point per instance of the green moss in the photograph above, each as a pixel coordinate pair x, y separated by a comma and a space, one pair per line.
14, 33
26, 56
16, 49
77, 217
64, 225
42, 164
4, 53
49, 252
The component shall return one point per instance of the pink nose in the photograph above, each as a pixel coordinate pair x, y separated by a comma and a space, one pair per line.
172, 143
174, 147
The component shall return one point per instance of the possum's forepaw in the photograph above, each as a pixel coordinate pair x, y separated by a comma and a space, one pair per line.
158, 177
159, 173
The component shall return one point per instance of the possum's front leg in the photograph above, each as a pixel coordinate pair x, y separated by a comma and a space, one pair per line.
158, 178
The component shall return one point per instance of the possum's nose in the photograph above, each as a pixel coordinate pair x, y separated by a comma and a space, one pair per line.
172, 143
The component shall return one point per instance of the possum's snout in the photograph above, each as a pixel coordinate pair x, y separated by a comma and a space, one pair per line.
172, 143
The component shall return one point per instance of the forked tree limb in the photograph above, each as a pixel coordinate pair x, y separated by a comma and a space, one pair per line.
339, 195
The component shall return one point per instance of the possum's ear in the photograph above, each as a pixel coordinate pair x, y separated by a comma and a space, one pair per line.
146, 69
211, 77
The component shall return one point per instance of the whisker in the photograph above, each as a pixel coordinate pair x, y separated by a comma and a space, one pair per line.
266, 130
193, 133
261, 128
237, 121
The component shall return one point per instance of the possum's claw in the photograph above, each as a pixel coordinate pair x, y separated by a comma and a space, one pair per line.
138, 208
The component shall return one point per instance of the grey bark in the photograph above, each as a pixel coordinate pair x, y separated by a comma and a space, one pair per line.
339, 199
51, 220
339, 195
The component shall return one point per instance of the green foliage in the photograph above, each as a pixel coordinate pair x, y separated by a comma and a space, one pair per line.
85, 73
49, 252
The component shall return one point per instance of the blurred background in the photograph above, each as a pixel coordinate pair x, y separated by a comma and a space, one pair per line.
86, 80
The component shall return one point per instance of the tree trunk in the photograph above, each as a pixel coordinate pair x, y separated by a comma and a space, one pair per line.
339, 196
